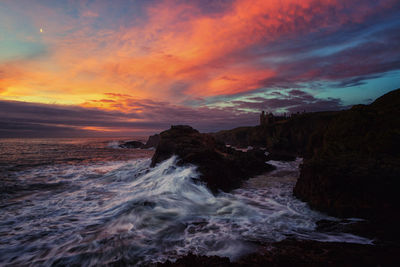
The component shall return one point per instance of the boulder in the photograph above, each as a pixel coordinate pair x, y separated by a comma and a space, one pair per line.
151, 142
220, 167
132, 144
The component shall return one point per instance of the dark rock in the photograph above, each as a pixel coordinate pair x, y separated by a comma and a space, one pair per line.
314, 253
132, 144
220, 167
197, 261
356, 172
304, 253
281, 156
152, 141
298, 136
351, 162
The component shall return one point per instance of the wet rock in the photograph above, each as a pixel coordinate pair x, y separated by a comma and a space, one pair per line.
314, 253
132, 144
303, 253
198, 261
351, 162
152, 141
356, 172
221, 167
298, 136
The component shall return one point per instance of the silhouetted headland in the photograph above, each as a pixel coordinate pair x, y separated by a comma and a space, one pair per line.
351, 168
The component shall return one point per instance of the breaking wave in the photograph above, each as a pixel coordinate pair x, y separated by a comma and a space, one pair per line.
124, 211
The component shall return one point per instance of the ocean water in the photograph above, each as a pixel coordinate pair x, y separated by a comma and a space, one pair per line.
88, 202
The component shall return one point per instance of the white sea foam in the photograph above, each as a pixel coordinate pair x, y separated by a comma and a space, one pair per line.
114, 144
124, 210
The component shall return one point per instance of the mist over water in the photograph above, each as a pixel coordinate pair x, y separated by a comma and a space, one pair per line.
116, 209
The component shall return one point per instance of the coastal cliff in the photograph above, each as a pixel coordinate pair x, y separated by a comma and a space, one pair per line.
351, 168
351, 162
298, 136
220, 167
355, 172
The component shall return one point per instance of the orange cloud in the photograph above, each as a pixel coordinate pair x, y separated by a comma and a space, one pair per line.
176, 53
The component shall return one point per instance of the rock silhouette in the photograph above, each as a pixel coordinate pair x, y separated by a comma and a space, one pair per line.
221, 167
351, 162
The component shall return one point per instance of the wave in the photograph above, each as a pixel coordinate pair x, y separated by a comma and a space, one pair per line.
124, 211
114, 144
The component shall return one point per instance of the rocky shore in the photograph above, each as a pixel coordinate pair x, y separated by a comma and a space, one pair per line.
152, 142
351, 169
351, 162
220, 167
302, 253
356, 170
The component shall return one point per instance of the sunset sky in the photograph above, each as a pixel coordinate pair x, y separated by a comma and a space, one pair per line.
119, 68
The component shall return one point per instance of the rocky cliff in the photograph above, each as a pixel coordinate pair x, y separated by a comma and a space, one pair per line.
220, 167
351, 158
355, 172
296, 136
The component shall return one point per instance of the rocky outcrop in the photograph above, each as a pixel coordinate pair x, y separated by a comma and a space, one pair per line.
351, 169
356, 170
132, 144
302, 253
152, 141
351, 162
221, 167
299, 135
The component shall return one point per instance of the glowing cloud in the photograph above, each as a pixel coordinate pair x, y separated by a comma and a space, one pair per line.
193, 54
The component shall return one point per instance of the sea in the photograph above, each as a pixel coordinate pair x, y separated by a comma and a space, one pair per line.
89, 202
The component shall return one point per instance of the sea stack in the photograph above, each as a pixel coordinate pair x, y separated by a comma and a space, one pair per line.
220, 167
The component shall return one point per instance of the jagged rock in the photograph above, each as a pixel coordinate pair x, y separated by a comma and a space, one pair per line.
302, 253
351, 162
152, 141
132, 144
356, 171
221, 168
299, 135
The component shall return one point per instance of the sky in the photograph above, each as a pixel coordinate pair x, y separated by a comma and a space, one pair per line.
79, 68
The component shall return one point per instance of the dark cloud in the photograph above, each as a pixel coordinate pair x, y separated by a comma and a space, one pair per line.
346, 56
293, 101
21, 119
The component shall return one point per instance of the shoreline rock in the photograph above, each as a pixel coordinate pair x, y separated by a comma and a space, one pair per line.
152, 141
220, 167
292, 252
351, 169
356, 172
132, 144
351, 164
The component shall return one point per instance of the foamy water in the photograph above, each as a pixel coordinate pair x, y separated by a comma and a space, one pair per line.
123, 211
